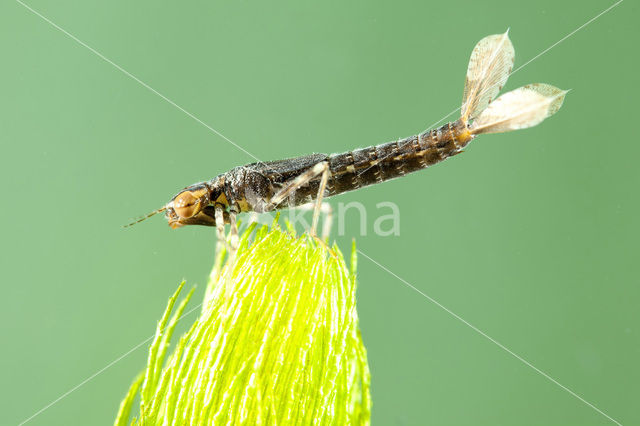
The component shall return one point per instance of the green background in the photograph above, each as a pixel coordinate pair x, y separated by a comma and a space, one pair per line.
530, 236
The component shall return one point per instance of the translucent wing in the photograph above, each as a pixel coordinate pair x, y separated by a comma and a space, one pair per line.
519, 109
489, 67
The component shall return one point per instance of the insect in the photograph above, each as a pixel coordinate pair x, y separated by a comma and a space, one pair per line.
266, 186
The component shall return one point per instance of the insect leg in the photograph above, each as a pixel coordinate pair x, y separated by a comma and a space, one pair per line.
321, 168
234, 241
234, 237
253, 217
318, 206
219, 215
327, 210
299, 181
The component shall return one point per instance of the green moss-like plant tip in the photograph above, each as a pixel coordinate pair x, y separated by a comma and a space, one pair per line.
277, 342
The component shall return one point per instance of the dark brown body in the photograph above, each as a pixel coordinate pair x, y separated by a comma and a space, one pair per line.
376, 164
262, 187
251, 187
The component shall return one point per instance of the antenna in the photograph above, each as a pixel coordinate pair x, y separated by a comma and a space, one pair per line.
147, 216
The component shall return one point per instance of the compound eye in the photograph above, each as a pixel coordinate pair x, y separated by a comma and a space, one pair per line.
185, 204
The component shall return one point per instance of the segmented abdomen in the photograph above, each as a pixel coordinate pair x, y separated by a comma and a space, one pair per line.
367, 166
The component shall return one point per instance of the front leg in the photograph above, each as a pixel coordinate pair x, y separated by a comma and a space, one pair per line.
234, 209
219, 216
234, 242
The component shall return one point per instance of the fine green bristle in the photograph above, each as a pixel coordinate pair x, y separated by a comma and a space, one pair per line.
276, 342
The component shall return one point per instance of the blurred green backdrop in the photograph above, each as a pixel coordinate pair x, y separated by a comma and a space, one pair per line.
531, 236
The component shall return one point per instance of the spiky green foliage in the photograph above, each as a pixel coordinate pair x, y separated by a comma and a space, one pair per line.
277, 342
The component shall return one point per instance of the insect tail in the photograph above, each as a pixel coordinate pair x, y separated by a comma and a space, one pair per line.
490, 63
524, 107
489, 68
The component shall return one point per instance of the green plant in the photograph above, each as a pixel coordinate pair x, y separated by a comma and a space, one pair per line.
277, 341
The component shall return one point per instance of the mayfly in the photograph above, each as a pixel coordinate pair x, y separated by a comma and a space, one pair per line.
266, 186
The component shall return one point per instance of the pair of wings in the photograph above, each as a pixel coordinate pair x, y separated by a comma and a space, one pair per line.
490, 64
